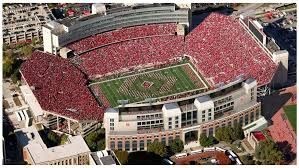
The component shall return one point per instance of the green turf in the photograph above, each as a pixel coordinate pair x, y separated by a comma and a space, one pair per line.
175, 76
290, 111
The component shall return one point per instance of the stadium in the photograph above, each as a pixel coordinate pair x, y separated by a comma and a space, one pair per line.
141, 72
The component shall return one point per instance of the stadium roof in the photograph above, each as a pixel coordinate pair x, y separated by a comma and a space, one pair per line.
60, 87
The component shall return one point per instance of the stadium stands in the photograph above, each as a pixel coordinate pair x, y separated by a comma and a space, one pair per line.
122, 56
122, 35
223, 50
60, 87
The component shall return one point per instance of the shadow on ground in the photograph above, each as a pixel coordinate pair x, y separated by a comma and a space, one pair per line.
272, 103
144, 158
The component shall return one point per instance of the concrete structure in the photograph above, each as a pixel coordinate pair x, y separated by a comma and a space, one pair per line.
23, 22
62, 32
282, 59
255, 137
35, 151
132, 128
104, 157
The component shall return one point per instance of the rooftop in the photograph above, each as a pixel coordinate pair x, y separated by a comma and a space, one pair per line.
104, 158
30, 139
259, 135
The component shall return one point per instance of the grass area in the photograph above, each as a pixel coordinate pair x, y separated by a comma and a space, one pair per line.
152, 84
290, 111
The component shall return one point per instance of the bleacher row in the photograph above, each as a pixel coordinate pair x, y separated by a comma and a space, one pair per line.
130, 54
60, 87
120, 35
224, 50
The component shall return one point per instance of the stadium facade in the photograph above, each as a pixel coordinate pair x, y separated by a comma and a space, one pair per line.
132, 128
78, 49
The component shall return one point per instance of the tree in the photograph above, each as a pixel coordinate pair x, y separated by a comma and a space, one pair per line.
63, 139
157, 148
237, 132
207, 141
122, 156
203, 140
101, 145
96, 140
27, 50
8, 62
91, 141
16, 76
229, 134
268, 153
247, 159
176, 146
223, 134
53, 137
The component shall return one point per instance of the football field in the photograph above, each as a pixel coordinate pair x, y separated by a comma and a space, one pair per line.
290, 112
151, 84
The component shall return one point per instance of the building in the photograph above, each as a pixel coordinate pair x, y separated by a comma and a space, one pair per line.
255, 137
23, 22
36, 152
229, 98
132, 128
104, 157
63, 32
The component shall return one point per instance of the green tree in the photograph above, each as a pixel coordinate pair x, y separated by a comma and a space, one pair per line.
27, 50
203, 139
91, 141
247, 159
207, 141
122, 156
16, 76
53, 137
176, 146
101, 144
223, 134
157, 148
237, 132
8, 62
63, 139
268, 153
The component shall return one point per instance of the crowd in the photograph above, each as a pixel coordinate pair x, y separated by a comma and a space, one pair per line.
223, 50
60, 87
220, 47
122, 35
131, 54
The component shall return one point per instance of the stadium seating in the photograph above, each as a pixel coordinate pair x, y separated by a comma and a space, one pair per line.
60, 87
223, 50
219, 47
122, 35
123, 56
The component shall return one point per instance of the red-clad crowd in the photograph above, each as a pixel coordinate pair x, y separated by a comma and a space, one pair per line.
223, 50
60, 87
130, 54
220, 47
122, 35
